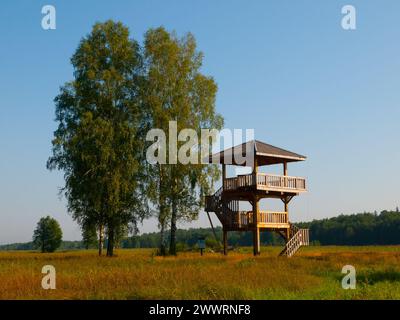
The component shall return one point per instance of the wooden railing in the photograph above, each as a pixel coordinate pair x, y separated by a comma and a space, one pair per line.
266, 182
280, 182
231, 183
272, 217
245, 218
213, 203
246, 180
305, 237
298, 238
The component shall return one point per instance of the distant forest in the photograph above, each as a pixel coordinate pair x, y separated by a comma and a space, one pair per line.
356, 229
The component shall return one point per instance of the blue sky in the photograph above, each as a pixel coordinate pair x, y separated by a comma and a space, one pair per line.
285, 68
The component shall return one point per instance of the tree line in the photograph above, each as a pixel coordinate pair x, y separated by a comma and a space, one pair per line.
120, 90
355, 229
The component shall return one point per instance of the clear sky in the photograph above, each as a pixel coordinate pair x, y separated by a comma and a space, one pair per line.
285, 68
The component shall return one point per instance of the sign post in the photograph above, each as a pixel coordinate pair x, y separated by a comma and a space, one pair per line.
201, 242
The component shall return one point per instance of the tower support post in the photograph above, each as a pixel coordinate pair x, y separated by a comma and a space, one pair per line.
287, 235
256, 231
223, 175
286, 209
256, 240
225, 241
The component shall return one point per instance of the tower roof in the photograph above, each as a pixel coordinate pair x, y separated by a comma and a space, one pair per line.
264, 153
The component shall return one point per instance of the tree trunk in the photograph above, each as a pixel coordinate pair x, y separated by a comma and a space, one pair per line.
172, 243
101, 231
163, 246
110, 243
162, 217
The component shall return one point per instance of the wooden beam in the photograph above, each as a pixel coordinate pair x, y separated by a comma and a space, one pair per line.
256, 240
223, 175
281, 233
225, 241
271, 226
256, 232
212, 227
287, 234
285, 171
286, 209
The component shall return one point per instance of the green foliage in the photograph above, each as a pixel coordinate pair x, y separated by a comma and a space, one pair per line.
47, 235
367, 229
213, 243
99, 143
65, 245
357, 229
191, 236
181, 247
385, 231
89, 236
176, 90
119, 92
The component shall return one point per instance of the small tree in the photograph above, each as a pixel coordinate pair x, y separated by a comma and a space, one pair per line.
47, 235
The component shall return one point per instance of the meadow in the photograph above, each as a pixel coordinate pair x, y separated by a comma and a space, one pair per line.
314, 273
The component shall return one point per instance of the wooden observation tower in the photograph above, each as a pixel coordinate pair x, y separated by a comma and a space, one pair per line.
252, 188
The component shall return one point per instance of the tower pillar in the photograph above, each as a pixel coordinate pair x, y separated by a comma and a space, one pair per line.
256, 231
286, 209
225, 241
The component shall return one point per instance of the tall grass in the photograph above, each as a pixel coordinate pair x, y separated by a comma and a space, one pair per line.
314, 273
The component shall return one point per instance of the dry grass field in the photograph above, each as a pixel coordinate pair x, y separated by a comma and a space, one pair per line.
314, 273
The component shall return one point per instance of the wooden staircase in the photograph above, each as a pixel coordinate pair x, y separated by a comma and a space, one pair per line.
224, 210
298, 238
229, 215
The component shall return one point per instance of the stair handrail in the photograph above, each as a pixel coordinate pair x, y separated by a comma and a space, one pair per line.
295, 242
